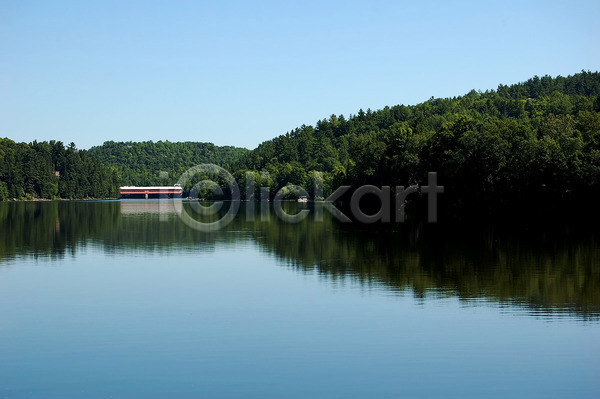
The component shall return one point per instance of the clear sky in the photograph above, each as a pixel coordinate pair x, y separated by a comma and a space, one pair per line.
240, 73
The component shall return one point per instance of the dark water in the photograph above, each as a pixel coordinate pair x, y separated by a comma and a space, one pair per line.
124, 300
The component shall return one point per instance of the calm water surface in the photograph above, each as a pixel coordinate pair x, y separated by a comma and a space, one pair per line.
122, 300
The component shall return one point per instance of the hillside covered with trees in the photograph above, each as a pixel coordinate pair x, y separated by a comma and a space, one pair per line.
140, 164
535, 143
532, 143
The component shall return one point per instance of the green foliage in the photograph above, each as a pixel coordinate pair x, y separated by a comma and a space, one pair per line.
141, 164
534, 141
3, 191
50, 170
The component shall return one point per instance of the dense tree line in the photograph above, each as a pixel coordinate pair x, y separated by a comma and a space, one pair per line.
536, 143
141, 164
52, 170
528, 142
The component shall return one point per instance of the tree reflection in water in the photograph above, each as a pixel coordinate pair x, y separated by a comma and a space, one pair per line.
552, 269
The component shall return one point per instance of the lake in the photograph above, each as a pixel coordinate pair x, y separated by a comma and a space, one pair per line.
124, 299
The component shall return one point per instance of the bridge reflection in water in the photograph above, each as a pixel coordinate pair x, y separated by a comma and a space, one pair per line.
146, 191
160, 207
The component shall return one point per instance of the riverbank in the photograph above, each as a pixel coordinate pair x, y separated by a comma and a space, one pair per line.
56, 199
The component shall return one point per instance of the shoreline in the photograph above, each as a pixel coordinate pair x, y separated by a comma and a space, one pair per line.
57, 199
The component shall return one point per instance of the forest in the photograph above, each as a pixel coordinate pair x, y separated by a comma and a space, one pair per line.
535, 143
51, 170
141, 164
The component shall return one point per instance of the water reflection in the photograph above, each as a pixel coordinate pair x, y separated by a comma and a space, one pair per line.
547, 271
135, 207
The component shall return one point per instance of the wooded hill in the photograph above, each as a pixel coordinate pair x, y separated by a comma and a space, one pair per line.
536, 143
140, 164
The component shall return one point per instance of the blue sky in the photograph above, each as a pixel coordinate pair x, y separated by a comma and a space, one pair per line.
240, 73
